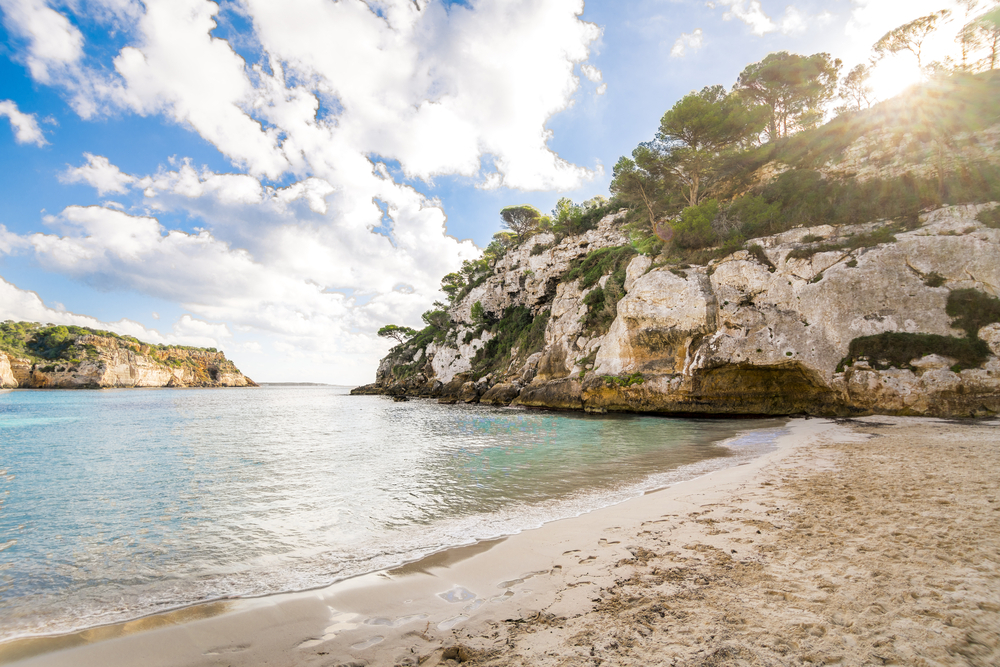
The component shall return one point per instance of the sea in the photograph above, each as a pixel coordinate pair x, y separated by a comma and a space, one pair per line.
118, 504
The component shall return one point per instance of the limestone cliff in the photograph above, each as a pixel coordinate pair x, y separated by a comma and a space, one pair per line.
88, 360
791, 324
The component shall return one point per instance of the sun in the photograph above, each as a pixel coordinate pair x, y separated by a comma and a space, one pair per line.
892, 76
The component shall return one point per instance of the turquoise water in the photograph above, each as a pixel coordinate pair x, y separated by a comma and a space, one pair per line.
120, 503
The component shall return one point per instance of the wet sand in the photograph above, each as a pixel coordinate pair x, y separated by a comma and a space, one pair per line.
874, 541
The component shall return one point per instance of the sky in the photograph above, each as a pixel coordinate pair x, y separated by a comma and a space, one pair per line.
280, 178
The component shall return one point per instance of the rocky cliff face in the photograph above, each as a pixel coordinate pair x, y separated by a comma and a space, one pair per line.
113, 362
767, 330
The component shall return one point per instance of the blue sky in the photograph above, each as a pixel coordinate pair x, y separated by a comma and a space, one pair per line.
280, 179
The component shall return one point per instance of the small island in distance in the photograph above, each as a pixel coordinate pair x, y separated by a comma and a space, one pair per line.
45, 356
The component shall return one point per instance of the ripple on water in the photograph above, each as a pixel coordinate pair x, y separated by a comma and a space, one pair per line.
118, 504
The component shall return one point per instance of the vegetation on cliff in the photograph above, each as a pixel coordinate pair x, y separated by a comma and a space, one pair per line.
48, 356
971, 309
46, 342
727, 167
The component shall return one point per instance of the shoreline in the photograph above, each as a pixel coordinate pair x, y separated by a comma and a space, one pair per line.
39, 646
743, 446
530, 595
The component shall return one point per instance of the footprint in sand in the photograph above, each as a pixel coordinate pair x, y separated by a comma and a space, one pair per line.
368, 643
604, 543
452, 622
521, 579
474, 605
588, 559
457, 594
227, 649
396, 622
341, 621
502, 598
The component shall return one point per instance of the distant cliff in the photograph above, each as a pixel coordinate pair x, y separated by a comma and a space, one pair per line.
60, 357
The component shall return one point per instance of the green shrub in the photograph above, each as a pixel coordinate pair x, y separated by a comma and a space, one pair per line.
602, 306
758, 254
897, 350
972, 310
539, 248
693, 228
934, 279
990, 218
516, 328
599, 263
865, 240
757, 216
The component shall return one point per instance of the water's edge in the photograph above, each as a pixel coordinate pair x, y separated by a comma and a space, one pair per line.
762, 440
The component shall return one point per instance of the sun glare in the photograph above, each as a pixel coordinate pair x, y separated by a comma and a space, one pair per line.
894, 75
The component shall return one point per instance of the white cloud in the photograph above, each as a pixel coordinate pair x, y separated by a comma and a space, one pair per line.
54, 50
25, 127
53, 42
687, 41
465, 91
178, 68
591, 72
22, 305
187, 182
870, 19
99, 173
751, 13
282, 284
435, 89
794, 21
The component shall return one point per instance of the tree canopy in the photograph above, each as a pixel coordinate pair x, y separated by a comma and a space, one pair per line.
910, 36
981, 35
854, 89
398, 333
698, 128
643, 180
793, 88
522, 220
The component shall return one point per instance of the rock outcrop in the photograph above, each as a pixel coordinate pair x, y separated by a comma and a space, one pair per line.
765, 330
115, 362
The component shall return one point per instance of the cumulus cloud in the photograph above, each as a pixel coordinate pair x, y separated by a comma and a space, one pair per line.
99, 173
593, 74
190, 183
54, 50
465, 90
23, 305
25, 127
870, 19
794, 21
751, 13
687, 41
53, 42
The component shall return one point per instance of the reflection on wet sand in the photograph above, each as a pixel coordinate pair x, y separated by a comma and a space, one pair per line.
20, 649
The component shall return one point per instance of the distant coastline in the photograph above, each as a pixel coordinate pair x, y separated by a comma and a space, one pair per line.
37, 356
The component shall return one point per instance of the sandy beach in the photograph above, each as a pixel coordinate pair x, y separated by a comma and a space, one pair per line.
868, 541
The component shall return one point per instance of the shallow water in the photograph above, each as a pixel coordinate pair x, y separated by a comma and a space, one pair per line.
119, 503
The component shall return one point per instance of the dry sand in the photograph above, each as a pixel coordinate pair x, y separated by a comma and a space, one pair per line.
874, 541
